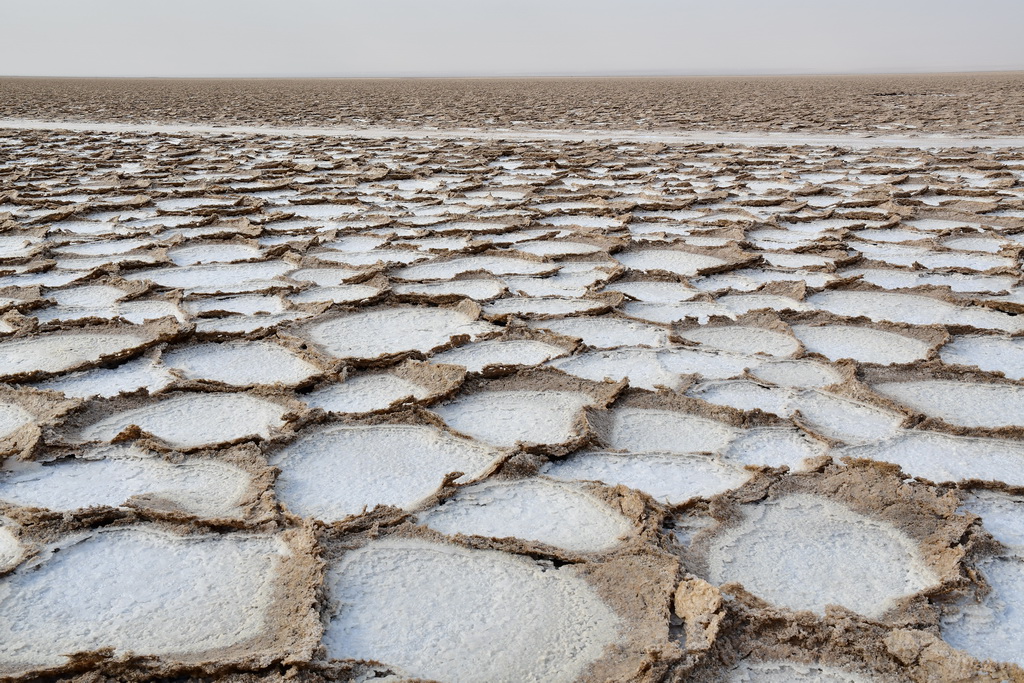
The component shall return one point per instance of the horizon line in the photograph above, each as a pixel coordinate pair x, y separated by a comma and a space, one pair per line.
524, 76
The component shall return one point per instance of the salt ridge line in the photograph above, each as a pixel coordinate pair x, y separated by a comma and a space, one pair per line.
692, 137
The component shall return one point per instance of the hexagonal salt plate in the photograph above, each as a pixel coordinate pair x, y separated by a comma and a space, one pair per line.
862, 344
338, 471
62, 352
537, 509
383, 332
241, 363
966, 404
411, 604
142, 591
505, 418
194, 420
805, 552
205, 488
511, 352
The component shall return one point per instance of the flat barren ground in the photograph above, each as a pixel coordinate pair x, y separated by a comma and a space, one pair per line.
477, 406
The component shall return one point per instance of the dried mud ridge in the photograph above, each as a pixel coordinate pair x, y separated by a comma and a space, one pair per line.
957, 104
313, 409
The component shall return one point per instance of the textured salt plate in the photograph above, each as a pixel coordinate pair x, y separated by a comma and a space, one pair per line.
642, 367
397, 465
783, 672
477, 356
506, 418
326, 277
1002, 515
543, 248
375, 333
365, 394
909, 308
11, 550
862, 344
13, 418
496, 265
241, 364
957, 282
478, 290
342, 294
411, 603
107, 382
536, 509
830, 415
542, 306
239, 324
212, 253
140, 591
213, 277
700, 311
665, 431
62, 352
606, 332
994, 354
804, 552
774, 447
944, 457
654, 292
738, 304
204, 488
740, 339
370, 258
994, 627
796, 373
194, 420
671, 261
246, 304
669, 479
966, 404
104, 247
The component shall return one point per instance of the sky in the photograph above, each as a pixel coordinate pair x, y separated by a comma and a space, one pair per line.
480, 38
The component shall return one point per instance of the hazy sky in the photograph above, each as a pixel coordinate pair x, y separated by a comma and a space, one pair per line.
506, 37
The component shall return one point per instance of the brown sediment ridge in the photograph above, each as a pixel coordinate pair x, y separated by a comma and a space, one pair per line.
213, 278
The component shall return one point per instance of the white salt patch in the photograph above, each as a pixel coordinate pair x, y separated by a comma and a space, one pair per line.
12, 418
365, 393
642, 367
672, 261
1002, 515
654, 292
990, 245
107, 382
61, 352
250, 304
212, 277
863, 344
241, 363
535, 509
342, 294
744, 340
11, 550
478, 290
505, 418
475, 357
544, 248
410, 604
542, 306
993, 628
700, 311
666, 431
967, 404
943, 457
139, 591
957, 282
375, 333
738, 304
396, 465
497, 265
370, 258
995, 354
774, 447
204, 488
212, 253
606, 332
194, 420
796, 373
804, 552
325, 277
909, 308
669, 479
